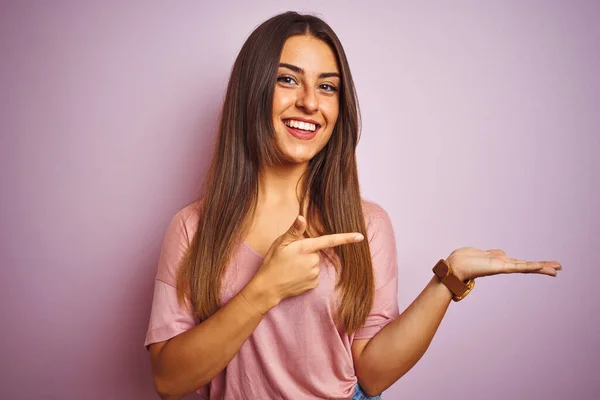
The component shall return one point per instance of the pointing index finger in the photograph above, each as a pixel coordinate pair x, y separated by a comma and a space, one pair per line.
312, 245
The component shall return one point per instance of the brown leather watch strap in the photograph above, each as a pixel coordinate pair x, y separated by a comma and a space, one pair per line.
458, 288
455, 285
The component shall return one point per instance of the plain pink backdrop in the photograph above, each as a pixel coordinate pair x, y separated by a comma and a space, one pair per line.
481, 128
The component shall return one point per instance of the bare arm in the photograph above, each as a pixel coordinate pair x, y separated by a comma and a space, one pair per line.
382, 360
193, 358
400, 345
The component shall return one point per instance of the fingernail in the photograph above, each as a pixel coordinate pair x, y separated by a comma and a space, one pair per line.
358, 238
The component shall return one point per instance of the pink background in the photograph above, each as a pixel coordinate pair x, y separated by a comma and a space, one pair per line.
481, 128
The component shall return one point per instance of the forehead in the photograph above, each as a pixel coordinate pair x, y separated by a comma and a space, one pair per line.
309, 53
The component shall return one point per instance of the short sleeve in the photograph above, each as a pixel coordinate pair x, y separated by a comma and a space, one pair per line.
167, 317
382, 243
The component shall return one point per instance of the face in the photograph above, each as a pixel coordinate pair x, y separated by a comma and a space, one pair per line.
306, 97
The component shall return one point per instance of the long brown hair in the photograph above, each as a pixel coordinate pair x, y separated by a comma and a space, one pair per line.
246, 139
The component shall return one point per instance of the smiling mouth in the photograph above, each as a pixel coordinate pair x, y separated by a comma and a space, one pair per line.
307, 127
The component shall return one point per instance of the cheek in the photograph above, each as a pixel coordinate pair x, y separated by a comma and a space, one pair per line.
282, 100
331, 111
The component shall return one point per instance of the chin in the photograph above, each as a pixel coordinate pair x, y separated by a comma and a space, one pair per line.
297, 158
296, 153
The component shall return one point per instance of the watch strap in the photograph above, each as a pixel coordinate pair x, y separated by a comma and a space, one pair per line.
458, 288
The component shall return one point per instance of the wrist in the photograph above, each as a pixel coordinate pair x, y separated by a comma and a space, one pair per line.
258, 297
456, 271
453, 280
437, 283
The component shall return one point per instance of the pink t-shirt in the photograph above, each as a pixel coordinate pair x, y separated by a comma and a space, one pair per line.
296, 352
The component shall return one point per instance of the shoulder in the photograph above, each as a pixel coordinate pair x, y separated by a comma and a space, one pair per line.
372, 208
177, 239
375, 215
382, 242
185, 221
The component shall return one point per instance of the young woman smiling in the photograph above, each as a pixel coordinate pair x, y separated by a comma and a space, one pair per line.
266, 288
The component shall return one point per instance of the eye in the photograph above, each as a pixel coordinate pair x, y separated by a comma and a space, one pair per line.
287, 80
328, 88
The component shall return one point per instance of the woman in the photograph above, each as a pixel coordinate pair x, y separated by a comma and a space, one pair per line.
265, 286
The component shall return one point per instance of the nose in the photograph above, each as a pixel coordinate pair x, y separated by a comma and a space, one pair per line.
307, 100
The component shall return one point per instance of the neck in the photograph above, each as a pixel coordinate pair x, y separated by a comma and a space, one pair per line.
279, 184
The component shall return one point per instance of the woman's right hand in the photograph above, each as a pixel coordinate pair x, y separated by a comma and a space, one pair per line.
291, 266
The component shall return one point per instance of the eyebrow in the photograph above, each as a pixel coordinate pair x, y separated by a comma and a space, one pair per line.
301, 71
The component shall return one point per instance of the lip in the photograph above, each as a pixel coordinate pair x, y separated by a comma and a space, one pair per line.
310, 121
298, 134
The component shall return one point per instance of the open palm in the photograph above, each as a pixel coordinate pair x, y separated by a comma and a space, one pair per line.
469, 263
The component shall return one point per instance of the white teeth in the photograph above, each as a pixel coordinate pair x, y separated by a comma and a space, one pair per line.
305, 126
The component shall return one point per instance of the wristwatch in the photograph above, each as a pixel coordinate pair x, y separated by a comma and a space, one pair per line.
457, 287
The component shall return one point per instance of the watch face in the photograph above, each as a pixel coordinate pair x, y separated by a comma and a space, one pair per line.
441, 269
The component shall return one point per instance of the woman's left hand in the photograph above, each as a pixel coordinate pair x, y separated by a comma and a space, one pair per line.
469, 263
